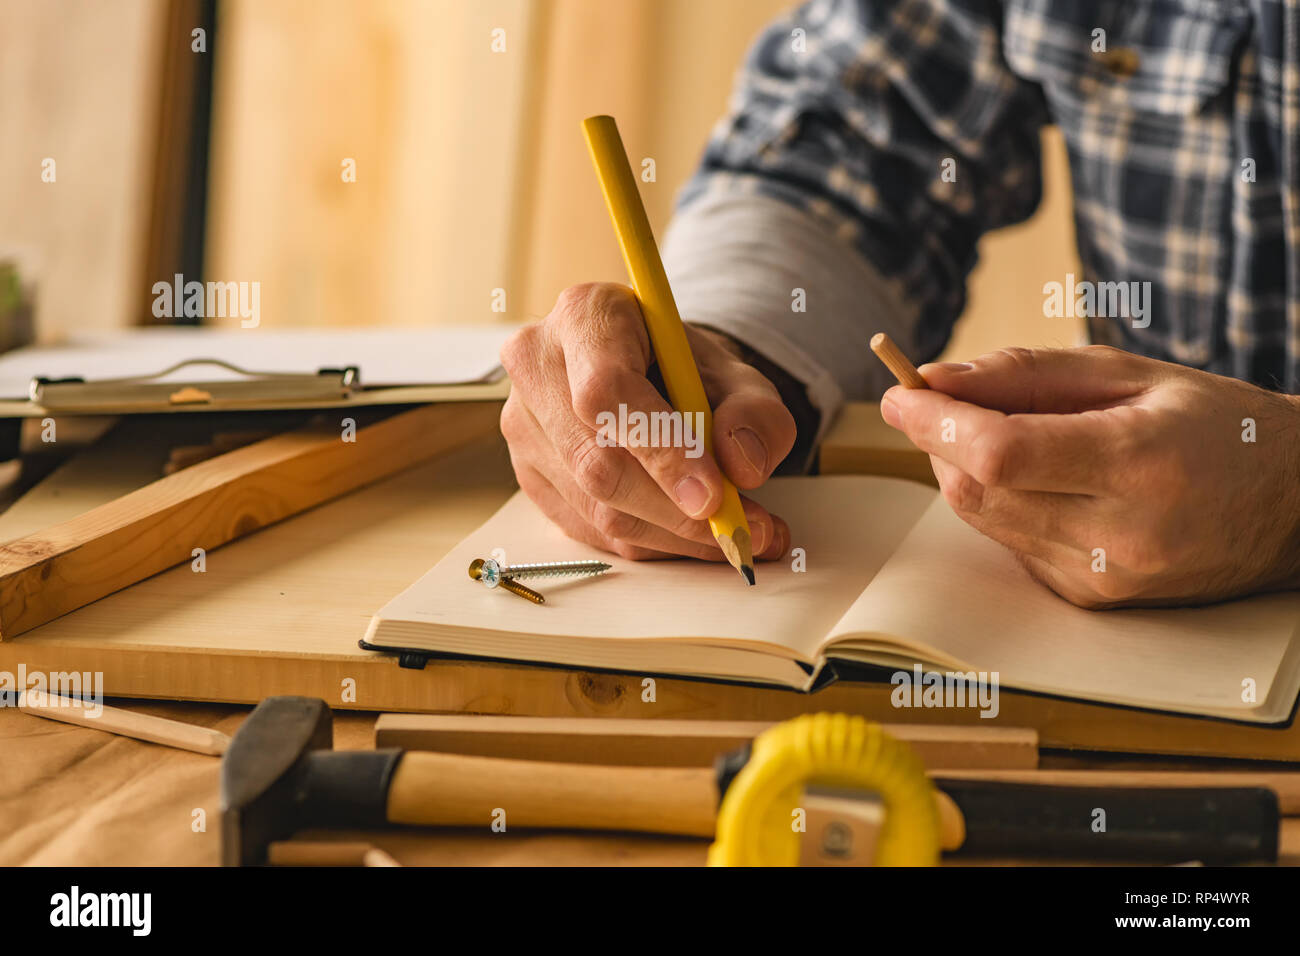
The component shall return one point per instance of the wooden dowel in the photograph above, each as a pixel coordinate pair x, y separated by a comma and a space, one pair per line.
114, 720
897, 362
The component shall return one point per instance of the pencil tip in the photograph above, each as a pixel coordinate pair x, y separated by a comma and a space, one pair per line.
736, 549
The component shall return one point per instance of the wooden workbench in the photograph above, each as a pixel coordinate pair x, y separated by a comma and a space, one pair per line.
70, 795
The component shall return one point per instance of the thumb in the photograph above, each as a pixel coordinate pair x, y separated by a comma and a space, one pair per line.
1044, 380
753, 431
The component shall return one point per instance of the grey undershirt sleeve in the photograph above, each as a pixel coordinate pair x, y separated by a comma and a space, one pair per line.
735, 261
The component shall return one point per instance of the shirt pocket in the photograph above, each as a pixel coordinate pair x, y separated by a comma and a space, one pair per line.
1162, 57
1142, 91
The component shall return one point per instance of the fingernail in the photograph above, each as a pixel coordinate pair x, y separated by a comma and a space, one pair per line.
784, 544
751, 448
889, 412
948, 366
692, 496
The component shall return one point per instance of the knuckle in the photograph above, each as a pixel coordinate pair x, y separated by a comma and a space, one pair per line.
574, 299
590, 299
1106, 350
629, 551
1088, 601
596, 470
613, 524
512, 422
992, 458
1145, 559
1110, 589
517, 350
964, 494
692, 529
594, 393
1022, 358
1064, 585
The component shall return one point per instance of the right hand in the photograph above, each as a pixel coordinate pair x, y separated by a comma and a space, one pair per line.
590, 355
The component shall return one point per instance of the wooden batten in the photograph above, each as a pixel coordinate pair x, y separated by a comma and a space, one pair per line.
51, 572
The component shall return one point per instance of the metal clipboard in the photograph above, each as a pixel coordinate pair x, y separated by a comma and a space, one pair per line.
252, 388
215, 382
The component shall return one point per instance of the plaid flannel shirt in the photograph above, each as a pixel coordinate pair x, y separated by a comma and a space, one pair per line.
1183, 137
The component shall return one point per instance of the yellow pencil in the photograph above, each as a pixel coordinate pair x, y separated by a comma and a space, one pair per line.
664, 324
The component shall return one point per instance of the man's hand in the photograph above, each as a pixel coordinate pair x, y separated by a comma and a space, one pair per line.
588, 357
1186, 484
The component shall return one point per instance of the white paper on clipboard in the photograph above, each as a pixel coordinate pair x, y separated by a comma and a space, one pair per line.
386, 357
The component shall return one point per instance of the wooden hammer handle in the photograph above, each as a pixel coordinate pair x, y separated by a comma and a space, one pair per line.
456, 790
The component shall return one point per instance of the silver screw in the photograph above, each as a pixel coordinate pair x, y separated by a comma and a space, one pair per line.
490, 572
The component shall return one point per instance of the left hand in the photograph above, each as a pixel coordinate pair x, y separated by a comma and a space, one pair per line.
1059, 453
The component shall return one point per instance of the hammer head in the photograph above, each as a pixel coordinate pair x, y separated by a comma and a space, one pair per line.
258, 774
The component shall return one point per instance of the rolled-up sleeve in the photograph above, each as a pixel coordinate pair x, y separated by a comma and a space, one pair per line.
869, 145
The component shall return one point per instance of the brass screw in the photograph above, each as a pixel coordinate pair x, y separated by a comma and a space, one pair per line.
525, 592
489, 572
493, 574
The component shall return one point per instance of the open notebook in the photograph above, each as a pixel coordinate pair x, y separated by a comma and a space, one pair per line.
892, 578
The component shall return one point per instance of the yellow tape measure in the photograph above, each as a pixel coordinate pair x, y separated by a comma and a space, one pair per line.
755, 821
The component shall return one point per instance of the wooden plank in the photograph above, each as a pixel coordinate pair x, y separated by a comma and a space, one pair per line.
51, 572
19, 476
281, 613
226, 674
124, 460
417, 71
81, 90
673, 743
860, 443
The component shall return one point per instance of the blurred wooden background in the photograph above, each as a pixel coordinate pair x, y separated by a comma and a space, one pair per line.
471, 173
78, 84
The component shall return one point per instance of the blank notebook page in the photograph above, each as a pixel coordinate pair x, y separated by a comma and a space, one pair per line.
847, 527
963, 597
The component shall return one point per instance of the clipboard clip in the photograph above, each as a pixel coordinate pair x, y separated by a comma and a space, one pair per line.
251, 388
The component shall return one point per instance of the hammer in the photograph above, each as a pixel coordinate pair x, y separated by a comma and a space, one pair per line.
280, 774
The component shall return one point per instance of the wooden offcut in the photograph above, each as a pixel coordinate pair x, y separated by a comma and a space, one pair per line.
127, 723
673, 743
61, 568
860, 443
